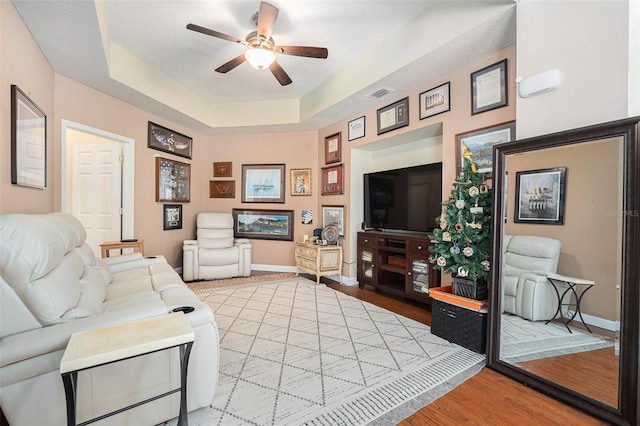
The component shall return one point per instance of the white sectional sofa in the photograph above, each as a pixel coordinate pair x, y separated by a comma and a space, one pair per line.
51, 286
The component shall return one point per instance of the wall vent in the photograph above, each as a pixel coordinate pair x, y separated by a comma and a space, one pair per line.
379, 93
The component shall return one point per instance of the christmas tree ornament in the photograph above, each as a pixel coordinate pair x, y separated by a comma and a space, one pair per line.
462, 272
454, 250
459, 227
476, 210
443, 224
460, 204
446, 236
485, 264
441, 261
474, 191
484, 189
467, 251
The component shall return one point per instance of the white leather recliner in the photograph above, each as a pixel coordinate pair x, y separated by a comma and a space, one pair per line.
525, 289
215, 254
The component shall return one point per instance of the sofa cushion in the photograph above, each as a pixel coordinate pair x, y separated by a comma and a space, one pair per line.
49, 297
30, 248
219, 257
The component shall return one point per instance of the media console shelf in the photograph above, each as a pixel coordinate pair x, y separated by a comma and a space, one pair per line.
397, 264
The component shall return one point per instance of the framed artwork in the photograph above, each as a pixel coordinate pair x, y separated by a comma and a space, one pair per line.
333, 148
222, 189
173, 180
540, 196
333, 180
393, 116
169, 141
489, 88
356, 128
222, 169
306, 216
263, 224
333, 215
435, 101
300, 182
477, 145
263, 183
28, 141
172, 216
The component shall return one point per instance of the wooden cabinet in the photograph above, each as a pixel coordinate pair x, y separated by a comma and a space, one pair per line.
319, 260
397, 264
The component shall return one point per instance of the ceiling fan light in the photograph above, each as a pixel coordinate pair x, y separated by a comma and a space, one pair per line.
260, 58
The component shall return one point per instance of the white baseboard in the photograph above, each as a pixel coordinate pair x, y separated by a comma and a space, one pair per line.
596, 321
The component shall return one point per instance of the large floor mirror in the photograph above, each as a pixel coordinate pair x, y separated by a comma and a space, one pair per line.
565, 293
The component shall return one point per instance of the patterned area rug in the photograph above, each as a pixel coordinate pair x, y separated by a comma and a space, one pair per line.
524, 340
205, 286
293, 352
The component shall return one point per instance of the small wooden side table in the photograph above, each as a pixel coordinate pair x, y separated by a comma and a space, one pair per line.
101, 346
319, 260
137, 245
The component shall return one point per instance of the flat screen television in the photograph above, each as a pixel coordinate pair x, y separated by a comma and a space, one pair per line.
405, 200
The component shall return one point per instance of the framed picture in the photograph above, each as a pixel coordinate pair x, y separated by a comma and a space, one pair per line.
263, 224
222, 169
173, 180
172, 216
28, 141
435, 101
393, 116
300, 182
306, 216
540, 196
333, 148
477, 145
334, 215
356, 128
333, 180
489, 88
168, 141
263, 183
222, 189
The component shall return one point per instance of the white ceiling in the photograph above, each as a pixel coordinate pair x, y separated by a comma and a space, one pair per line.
141, 52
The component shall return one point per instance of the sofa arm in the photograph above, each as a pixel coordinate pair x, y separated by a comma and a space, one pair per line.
29, 344
190, 260
536, 299
244, 257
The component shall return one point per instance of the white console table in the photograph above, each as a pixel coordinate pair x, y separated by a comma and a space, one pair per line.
319, 260
93, 348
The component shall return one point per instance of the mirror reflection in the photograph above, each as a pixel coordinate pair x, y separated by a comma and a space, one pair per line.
562, 258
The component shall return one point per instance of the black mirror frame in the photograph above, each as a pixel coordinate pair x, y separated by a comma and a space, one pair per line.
628, 410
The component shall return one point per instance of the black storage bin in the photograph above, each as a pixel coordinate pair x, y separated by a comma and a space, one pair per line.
465, 327
476, 290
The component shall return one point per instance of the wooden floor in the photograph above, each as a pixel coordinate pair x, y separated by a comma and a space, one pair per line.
488, 398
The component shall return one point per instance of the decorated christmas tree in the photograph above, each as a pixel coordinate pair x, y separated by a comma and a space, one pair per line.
462, 242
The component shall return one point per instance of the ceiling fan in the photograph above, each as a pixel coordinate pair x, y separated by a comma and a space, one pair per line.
261, 49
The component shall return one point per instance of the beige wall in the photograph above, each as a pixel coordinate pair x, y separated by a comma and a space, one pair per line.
458, 120
590, 235
62, 98
22, 64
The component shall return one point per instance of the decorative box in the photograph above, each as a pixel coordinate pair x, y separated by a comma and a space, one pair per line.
459, 320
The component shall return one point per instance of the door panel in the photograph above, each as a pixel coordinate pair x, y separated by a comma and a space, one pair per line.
96, 187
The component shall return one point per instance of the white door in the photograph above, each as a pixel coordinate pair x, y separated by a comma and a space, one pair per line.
96, 190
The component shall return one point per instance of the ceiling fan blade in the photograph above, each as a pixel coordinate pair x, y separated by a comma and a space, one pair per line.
267, 19
309, 52
280, 74
226, 67
207, 31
